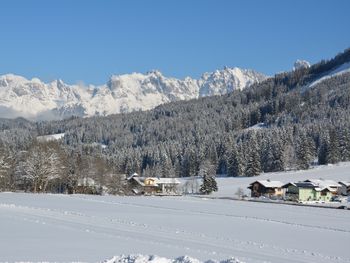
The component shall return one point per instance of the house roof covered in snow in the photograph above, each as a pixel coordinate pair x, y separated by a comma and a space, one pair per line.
324, 183
269, 183
309, 185
347, 184
156, 180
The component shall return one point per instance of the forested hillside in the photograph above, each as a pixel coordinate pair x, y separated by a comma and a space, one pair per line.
280, 124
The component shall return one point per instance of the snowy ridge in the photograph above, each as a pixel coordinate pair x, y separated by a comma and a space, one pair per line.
156, 259
122, 93
345, 68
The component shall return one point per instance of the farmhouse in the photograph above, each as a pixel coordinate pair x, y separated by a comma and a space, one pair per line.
153, 185
307, 191
333, 186
266, 188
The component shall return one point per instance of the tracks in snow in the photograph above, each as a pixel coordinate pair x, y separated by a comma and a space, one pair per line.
174, 238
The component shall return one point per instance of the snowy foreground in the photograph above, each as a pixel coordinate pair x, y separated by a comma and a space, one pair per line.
62, 228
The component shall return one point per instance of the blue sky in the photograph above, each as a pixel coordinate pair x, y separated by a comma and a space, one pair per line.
88, 41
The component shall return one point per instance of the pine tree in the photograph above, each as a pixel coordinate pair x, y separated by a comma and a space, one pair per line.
234, 162
323, 149
344, 143
333, 155
6, 164
253, 167
303, 152
209, 184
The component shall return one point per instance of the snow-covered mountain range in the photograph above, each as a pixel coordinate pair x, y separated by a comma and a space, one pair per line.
35, 99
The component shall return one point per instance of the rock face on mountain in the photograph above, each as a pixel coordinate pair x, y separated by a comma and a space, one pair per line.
301, 64
122, 93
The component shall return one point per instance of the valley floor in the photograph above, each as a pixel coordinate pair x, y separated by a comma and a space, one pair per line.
44, 227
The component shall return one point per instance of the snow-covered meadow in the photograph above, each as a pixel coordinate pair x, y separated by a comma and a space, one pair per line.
43, 227
66, 228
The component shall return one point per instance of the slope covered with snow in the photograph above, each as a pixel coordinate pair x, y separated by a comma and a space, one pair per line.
345, 68
122, 93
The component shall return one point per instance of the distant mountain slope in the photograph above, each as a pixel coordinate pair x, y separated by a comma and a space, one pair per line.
122, 93
274, 125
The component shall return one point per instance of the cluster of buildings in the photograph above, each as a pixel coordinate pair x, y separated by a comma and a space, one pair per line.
308, 190
153, 185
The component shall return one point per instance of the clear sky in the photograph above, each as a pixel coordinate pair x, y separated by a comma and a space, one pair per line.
86, 40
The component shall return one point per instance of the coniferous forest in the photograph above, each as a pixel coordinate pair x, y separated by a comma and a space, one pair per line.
277, 125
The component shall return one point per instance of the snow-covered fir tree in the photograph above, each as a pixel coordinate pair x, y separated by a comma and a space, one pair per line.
207, 172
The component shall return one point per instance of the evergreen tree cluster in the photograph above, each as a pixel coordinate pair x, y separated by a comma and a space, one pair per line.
279, 124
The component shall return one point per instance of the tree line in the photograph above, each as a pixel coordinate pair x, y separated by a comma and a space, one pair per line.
277, 125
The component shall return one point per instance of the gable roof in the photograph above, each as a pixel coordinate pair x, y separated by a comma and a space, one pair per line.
310, 185
347, 184
167, 180
323, 183
269, 184
132, 176
157, 181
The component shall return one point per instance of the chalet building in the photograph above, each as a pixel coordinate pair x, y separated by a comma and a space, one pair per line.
266, 188
307, 191
345, 188
153, 185
333, 186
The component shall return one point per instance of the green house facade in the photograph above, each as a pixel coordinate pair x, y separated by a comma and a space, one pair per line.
305, 191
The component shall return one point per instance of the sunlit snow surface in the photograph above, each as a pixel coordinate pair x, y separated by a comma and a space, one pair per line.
157, 259
66, 228
52, 137
39, 227
345, 68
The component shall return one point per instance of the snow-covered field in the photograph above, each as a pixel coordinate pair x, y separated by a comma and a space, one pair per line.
44, 227
62, 228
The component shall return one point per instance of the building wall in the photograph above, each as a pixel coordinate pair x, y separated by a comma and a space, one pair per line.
306, 194
326, 196
149, 181
292, 189
260, 190
279, 192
